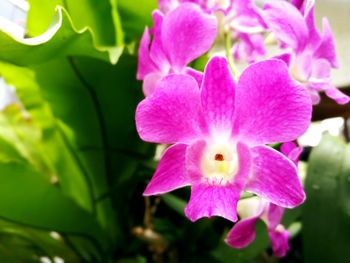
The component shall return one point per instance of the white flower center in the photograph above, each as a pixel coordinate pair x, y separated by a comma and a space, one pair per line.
220, 164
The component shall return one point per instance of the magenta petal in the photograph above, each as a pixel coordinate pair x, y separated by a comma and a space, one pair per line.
197, 75
337, 95
194, 156
287, 23
274, 215
167, 5
150, 82
275, 178
285, 57
242, 233
145, 64
314, 36
270, 106
321, 72
170, 173
172, 113
187, 33
212, 200
218, 95
279, 241
326, 49
292, 151
156, 52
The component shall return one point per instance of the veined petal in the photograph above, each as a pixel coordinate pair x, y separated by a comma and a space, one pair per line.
292, 151
170, 173
172, 113
242, 233
326, 49
337, 95
218, 95
197, 75
156, 52
187, 33
287, 23
145, 64
279, 242
270, 106
212, 200
314, 37
274, 215
275, 178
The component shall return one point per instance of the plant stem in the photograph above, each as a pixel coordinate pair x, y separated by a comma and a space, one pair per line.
229, 56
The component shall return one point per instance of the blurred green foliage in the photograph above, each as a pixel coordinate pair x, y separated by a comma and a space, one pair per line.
72, 168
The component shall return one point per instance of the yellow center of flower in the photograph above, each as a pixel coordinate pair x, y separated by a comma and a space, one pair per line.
220, 164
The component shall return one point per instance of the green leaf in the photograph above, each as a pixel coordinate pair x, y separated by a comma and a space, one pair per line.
326, 213
45, 206
95, 15
60, 40
135, 15
40, 140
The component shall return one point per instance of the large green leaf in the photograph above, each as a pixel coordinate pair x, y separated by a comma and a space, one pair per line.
135, 15
22, 185
60, 40
40, 139
95, 15
326, 213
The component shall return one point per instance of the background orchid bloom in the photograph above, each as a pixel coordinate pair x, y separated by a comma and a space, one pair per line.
240, 20
243, 232
313, 55
178, 38
252, 209
219, 132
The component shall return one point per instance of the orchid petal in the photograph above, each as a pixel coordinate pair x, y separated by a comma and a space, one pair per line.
270, 106
275, 178
212, 200
287, 23
314, 37
274, 215
279, 241
187, 33
150, 82
292, 151
156, 52
145, 64
218, 95
197, 75
242, 233
326, 49
172, 113
170, 173
337, 95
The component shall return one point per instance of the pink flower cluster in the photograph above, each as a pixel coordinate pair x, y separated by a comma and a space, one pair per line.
219, 127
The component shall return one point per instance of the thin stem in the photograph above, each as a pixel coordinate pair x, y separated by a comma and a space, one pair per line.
229, 56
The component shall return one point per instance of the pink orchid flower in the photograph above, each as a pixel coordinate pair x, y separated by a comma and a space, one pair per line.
313, 55
241, 19
252, 209
218, 132
180, 37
